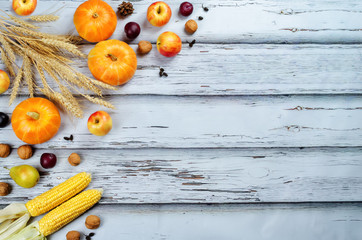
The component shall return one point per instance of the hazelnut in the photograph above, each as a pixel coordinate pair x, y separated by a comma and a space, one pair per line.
4, 150
92, 222
4, 189
191, 26
25, 152
73, 235
74, 159
144, 47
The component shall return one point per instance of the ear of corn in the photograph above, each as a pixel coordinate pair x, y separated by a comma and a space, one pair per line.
68, 211
14, 217
59, 194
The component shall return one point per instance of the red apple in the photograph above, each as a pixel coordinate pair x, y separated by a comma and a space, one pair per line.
99, 123
158, 14
169, 44
24, 7
4, 81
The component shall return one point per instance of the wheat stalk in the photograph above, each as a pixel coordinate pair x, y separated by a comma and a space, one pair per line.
44, 18
28, 75
16, 85
47, 53
7, 62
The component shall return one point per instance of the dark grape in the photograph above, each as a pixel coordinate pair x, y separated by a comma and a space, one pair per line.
48, 160
4, 120
186, 9
132, 30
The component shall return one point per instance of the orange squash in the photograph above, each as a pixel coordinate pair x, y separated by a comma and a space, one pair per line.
113, 62
95, 20
35, 120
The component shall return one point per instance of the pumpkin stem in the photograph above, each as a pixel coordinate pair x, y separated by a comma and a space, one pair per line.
33, 115
111, 56
95, 15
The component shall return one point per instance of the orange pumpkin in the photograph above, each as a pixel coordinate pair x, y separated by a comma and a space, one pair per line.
95, 20
113, 62
35, 120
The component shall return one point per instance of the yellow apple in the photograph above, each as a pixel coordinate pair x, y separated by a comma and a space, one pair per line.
99, 123
4, 81
169, 44
158, 14
24, 7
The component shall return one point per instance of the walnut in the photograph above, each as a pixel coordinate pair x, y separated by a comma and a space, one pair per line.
74, 159
4, 150
25, 152
4, 189
73, 235
144, 47
92, 222
191, 26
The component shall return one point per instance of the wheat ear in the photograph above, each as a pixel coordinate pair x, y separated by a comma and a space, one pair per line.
7, 62
16, 85
28, 75
44, 18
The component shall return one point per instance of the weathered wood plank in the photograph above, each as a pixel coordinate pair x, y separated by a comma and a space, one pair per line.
233, 222
243, 69
238, 21
205, 175
212, 122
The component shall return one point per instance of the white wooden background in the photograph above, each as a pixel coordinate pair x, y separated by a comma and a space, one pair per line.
255, 134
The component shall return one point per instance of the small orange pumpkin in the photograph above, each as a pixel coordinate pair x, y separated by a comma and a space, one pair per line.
113, 62
35, 120
95, 20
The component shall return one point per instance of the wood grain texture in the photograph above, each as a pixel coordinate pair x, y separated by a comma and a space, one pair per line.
214, 122
233, 222
250, 21
244, 69
205, 175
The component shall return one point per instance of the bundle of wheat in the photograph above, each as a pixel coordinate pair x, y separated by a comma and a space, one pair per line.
46, 54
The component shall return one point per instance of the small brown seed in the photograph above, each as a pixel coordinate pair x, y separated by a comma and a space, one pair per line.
25, 152
191, 26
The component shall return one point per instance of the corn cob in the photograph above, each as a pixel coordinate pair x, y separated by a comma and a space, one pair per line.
59, 194
68, 211
60, 216
15, 216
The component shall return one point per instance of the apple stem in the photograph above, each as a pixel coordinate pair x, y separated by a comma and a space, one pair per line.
95, 15
33, 115
112, 57
159, 10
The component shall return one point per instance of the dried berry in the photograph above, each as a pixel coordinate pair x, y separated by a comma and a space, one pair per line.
191, 26
163, 73
205, 8
25, 152
69, 138
125, 9
200, 18
191, 44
